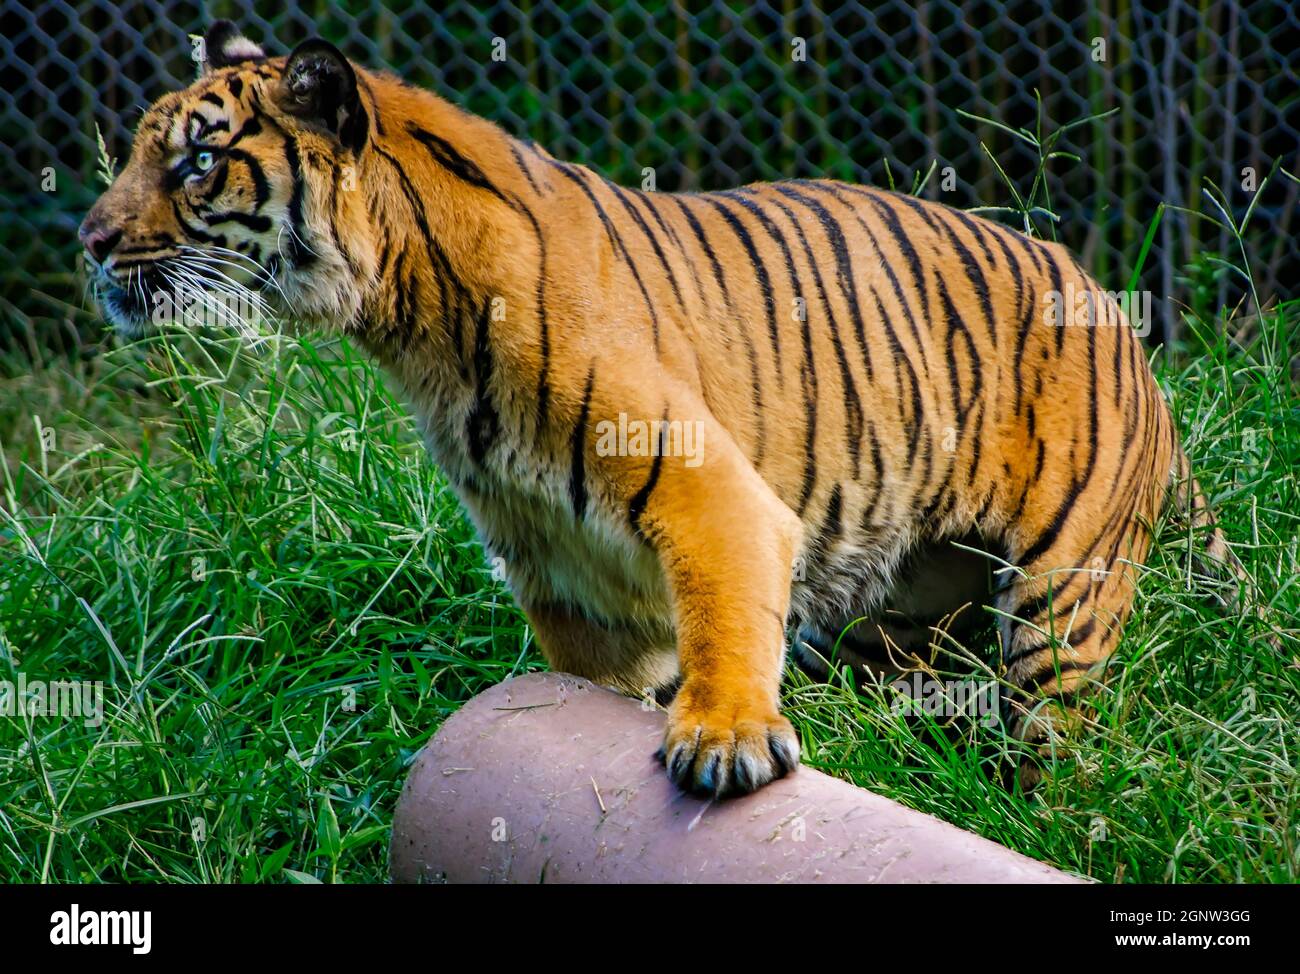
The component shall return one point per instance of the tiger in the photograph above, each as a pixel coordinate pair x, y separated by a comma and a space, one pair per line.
702, 434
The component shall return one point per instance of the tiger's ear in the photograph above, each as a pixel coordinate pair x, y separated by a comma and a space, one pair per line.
320, 88
224, 45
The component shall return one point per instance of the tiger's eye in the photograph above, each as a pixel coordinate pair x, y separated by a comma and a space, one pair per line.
203, 161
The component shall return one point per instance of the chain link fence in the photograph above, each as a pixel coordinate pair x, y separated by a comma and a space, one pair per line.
712, 94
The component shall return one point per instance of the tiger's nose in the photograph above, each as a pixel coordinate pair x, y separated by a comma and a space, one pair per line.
98, 240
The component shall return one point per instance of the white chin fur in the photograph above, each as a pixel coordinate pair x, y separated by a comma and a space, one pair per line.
324, 296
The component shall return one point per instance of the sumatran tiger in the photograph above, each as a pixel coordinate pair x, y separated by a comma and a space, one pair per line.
687, 424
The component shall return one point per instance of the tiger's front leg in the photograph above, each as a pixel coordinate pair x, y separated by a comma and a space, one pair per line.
727, 545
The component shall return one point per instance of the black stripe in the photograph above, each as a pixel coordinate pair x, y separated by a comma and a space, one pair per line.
252, 127
1032, 248
975, 450
621, 195
384, 253
615, 240
949, 502
877, 464
298, 255
577, 466
446, 155
374, 108
756, 384
218, 183
1062, 668
1020, 504
194, 233
543, 321
914, 425
831, 528
1073, 639
760, 271
971, 224
437, 259
1120, 336
1048, 537
955, 327
456, 305
853, 404
651, 204
925, 209
339, 245
1017, 270
931, 508
402, 299
206, 126
647, 200
483, 424
832, 523
894, 283
809, 373
904, 242
408, 296
1131, 400
261, 187
1057, 287
1022, 338
636, 506
974, 272
1052, 605
523, 167
843, 269
254, 222
719, 275
412, 198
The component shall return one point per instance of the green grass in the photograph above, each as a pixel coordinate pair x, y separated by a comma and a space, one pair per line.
281, 597
284, 601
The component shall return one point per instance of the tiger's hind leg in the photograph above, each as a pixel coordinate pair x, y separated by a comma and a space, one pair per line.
1059, 628
935, 602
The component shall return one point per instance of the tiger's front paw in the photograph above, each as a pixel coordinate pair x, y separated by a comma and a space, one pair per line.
732, 752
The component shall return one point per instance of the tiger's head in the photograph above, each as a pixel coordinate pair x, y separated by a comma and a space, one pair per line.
211, 218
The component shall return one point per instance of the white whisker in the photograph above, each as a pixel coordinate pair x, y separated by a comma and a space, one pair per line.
213, 264
224, 282
211, 252
294, 234
205, 292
